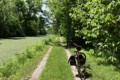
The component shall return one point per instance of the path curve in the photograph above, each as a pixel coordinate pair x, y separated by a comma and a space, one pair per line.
35, 75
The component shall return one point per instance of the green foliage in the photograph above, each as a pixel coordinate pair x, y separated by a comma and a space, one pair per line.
98, 68
98, 21
23, 62
19, 18
15, 45
62, 22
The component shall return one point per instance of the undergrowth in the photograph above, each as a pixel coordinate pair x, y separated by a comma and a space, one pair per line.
22, 64
99, 68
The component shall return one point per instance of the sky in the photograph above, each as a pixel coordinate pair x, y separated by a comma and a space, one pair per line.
44, 7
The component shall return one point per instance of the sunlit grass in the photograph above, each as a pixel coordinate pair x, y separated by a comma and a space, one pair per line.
9, 47
100, 71
57, 67
22, 64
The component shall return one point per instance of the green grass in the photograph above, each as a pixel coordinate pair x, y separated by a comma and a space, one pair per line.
22, 64
101, 70
57, 67
15, 45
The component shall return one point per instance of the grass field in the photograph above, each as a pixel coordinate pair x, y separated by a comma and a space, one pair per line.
57, 67
22, 65
11, 46
100, 70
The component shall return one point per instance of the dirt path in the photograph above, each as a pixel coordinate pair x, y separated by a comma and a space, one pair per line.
35, 75
73, 68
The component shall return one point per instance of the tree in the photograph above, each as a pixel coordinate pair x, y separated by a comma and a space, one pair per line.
96, 21
19, 18
62, 22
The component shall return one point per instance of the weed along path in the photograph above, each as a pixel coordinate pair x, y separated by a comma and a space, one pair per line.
14, 45
37, 72
73, 68
57, 67
54, 65
35, 75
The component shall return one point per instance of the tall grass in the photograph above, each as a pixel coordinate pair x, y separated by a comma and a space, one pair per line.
22, 64
100, 70
57, 67
9, 47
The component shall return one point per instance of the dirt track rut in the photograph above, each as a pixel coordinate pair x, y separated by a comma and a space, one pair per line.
35, 75
73, 68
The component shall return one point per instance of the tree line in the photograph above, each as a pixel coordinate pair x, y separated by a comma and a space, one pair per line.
96, 21
20, 18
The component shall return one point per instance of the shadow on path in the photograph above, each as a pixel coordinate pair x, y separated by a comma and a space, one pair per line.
87, 75
13, 38
17, 38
